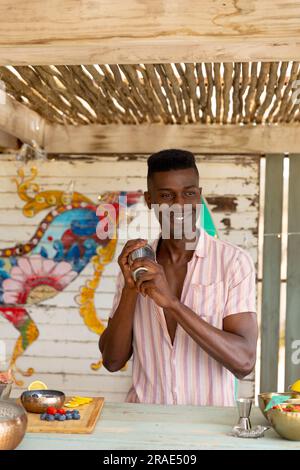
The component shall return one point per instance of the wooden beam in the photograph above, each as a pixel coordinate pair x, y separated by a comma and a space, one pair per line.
211, 138
270, 317
20, 121
8, 141
292, 332
154, 31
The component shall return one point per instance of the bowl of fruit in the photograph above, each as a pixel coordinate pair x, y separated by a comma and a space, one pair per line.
264, 399
285, 419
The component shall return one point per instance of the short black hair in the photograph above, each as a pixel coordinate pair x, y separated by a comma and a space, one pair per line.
170, 159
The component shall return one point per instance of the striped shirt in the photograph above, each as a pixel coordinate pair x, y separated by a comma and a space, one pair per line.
220, 281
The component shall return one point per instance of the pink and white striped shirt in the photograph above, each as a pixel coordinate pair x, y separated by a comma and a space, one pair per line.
220, 281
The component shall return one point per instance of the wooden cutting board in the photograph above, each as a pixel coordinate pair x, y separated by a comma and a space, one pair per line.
85, 425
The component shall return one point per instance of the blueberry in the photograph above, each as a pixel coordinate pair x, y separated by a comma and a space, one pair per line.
69, 416
51, 418
76, 416
62, 418
56, 416
43, 416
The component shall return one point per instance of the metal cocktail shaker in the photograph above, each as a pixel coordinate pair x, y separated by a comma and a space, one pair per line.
143, 252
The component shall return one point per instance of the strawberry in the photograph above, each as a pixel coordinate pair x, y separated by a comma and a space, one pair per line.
51, 410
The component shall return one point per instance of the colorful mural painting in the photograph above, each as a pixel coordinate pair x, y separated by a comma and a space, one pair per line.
64, 243
62, 246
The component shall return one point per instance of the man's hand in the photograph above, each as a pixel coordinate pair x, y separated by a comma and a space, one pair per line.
153, 282
130, 246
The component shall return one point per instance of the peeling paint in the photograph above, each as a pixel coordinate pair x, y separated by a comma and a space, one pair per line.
227, 223
254, 200
222, 204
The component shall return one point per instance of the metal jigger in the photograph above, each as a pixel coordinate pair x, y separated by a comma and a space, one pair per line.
244, 409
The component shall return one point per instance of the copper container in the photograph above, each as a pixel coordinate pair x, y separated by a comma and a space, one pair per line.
37, 401
13, 424
264, 398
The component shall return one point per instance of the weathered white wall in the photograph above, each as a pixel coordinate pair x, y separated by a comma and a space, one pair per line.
65, 348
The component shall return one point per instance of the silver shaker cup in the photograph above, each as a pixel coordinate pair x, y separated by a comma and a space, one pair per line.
142, 252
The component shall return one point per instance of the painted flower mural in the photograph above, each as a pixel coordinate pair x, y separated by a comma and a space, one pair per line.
64, 243
35, 279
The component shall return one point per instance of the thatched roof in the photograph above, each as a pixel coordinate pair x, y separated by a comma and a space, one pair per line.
204, 93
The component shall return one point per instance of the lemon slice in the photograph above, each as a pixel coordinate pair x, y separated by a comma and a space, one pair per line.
296, 386
37, 385
74, 402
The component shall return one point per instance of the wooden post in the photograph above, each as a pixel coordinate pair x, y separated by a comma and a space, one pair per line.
271, 273
292, 336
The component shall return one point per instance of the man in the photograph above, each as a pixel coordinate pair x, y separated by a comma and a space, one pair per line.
189, 321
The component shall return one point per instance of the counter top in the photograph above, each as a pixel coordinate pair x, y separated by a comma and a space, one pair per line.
128, 426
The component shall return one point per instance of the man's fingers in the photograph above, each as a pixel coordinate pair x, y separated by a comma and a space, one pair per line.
146, 287
132, 245
142, 278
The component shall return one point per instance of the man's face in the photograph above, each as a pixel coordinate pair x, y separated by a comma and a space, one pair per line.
175, 196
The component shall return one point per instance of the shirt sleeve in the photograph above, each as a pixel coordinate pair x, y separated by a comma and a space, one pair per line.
119, 284
242, 286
